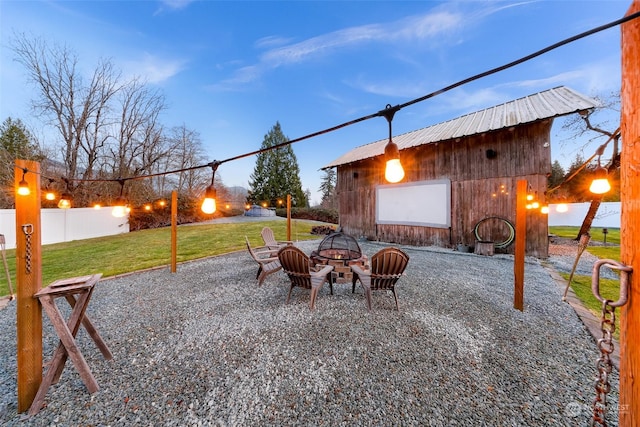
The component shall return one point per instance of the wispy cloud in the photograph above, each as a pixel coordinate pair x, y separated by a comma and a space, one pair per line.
422, 27
172, 5
154, 69
177, 4
412, 28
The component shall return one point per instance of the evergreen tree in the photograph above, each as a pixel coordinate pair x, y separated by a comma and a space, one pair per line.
16, 142
578, 178
328, 190
557, 175
276, 173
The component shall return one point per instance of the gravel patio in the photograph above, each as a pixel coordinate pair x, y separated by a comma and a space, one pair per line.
207, 347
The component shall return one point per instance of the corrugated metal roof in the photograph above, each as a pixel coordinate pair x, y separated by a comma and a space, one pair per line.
550, 103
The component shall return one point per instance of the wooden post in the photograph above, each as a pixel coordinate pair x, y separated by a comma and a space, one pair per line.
289, 217
629, 407
521, 239
29, 282
174, 230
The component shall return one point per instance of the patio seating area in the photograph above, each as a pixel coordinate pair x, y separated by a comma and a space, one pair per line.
208, 346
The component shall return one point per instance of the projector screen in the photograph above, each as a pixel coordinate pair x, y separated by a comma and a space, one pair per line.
423, 203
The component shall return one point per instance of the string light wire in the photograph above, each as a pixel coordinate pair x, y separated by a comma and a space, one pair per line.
384, 112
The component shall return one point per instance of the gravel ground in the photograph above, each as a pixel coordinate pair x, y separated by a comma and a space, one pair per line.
207, 347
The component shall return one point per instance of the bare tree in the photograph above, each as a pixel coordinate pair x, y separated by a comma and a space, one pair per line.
139, 143
79, 110
187, 152
589, 122
109, 128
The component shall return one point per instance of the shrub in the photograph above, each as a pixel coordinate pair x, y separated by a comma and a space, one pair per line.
313, 214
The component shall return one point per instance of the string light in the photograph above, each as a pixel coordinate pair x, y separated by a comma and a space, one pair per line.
600, 183
393, 169
65, 201
385, 112
23, 185
120, 205
209, 202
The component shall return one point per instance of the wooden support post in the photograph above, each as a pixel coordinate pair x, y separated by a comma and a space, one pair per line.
289, 217
174, 231
521, 239
629, 406
29, 282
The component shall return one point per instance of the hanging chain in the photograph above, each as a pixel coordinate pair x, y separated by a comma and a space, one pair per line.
27, 229
604, 365
608, 327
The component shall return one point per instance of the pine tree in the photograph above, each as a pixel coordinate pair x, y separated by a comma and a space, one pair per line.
557, 175
577, 188
16, 142
328, 189
276, 173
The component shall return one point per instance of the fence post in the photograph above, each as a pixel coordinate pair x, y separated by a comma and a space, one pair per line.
29, 281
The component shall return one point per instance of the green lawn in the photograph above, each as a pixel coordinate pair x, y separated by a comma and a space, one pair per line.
581, 285
123, 253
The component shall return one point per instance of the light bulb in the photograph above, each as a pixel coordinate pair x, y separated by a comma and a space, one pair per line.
65, 201
600, 186
23, 185
23, 188
119, 211
209, 202
394, 171
119, 207
562, 207
209, 205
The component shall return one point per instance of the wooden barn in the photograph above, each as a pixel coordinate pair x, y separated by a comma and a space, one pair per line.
460, 178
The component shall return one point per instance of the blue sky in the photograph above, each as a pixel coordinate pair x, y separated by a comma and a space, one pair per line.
231, 69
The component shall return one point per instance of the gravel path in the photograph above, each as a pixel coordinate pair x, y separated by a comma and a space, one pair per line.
207, 347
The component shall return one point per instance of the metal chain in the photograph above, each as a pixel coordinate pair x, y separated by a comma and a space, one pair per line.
27, 229
604, 365
608, 327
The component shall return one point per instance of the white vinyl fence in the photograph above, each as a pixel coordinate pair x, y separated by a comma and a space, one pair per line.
65, 225
608, 215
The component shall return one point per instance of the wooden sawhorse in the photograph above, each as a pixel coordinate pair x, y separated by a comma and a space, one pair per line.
77, 291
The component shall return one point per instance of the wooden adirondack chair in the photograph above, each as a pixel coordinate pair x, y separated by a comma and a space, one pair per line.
267, 260
270, 240
387, 266
297, 265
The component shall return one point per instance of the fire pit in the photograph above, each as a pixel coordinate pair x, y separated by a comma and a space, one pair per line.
341, 251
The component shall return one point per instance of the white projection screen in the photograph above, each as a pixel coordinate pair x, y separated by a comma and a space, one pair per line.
422, 203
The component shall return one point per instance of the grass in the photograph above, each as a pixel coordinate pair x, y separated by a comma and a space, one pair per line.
138, 250
613, 235
581, 285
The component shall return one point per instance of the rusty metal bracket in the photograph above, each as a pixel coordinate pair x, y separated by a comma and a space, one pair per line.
625, 271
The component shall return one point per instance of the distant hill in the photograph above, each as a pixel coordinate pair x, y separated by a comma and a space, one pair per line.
238, 190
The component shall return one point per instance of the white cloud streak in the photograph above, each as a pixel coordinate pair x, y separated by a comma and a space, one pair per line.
154, 69
422, 27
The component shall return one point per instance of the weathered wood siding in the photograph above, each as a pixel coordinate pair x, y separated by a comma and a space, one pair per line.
481, 187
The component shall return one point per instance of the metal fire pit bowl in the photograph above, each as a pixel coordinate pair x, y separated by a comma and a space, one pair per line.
337, 246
